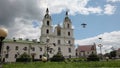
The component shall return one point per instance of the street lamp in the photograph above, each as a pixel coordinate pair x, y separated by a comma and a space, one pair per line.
100, 45
47, 48
84, 25
3, 34
45, 56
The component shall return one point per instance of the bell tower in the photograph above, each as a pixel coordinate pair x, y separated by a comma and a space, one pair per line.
67, 22
46, 29
68, 31
47, 19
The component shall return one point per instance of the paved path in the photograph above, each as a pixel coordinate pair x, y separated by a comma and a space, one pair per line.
0, 66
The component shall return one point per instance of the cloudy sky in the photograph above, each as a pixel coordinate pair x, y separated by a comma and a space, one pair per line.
23, 19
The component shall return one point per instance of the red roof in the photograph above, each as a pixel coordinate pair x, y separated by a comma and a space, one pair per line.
118, 49
86, 48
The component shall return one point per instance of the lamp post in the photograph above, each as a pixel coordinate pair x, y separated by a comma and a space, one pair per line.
3, 34
100, 45
84, 25
47, 48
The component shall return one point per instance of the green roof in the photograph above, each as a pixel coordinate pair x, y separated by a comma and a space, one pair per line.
21, 41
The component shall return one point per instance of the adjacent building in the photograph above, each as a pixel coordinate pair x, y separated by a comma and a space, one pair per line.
85, 50
118, 53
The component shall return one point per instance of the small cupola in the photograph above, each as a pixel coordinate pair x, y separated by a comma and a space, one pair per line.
47, 14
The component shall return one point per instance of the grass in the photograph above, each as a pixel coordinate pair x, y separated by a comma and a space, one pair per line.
99, 64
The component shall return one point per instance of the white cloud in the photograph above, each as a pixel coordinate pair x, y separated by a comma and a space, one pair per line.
74, 6
17, 16
23, 28
108, 40
109, 9
77, 7
113, 1
21, 13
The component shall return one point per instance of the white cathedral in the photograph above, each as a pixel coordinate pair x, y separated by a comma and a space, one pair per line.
51, 41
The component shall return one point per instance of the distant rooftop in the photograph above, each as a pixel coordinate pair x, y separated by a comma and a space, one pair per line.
86, 47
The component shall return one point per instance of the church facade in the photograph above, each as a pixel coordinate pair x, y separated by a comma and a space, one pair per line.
52, 40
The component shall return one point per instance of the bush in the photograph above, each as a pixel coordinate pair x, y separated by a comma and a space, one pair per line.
37, 60
79, 59
58, 57
93, 57
113, 53
24, 58
75, 59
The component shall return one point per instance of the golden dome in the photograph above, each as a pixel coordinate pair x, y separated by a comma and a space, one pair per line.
44, 59
3, 32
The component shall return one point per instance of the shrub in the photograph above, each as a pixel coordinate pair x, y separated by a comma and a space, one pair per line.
58, 57
24, 58
37, 60
79, 59
93, 57
113, 53
75, 59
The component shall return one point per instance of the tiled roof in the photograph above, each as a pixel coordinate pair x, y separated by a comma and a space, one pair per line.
86, 47
118, 49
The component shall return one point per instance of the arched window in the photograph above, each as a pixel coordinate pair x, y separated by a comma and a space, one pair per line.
59, 49
69, 50
7, 48
68, 25
92, 52
40, 56
16, 48
15, 56
58, 41
25, 48
69, 42
76, 54
48, 23
33, 48
40, 49
68, 33
6, 55
47, 31
69, 56
58, 31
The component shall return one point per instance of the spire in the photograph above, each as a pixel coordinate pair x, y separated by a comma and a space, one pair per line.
66, 17
47, 11
47, 14
66, 13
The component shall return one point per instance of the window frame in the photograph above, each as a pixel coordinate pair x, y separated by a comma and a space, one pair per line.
48, 22
59, 41
68, 33
69, 50
47, 31
16, 48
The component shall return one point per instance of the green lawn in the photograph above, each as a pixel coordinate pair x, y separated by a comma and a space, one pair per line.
63, 64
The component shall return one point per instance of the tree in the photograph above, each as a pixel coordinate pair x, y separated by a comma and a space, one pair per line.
24, 58
113, 53
93, 57
58, 57
107, 55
